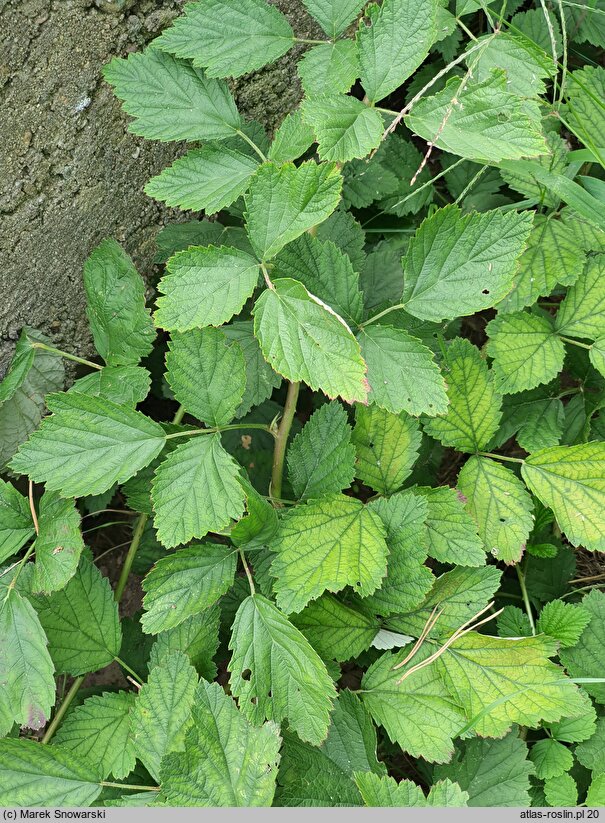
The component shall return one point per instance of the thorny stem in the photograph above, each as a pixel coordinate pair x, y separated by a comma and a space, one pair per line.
247, 570
526, 602
66, 355
62, 710
281, 441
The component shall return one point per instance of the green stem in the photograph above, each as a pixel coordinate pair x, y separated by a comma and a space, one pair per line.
312, 42
131, 554
130, 671
252, 144
62, 710
501, 457
231, 427
248, 572
20, 566
106, 784
281, 440
575, 342
526, 602
382, 314
66, 355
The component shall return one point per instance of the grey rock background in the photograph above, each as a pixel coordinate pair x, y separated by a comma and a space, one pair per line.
70, 173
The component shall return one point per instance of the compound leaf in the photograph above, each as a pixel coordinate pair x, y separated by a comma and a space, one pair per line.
344, 127
59, 543
387, 447
337, 631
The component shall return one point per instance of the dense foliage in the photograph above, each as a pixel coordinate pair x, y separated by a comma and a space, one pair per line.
382, 356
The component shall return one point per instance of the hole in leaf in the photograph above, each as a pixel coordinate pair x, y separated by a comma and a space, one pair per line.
246, 674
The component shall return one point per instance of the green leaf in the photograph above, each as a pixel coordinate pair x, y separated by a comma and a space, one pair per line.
474, 409
259, 525
308, 777
276, 674
226, 761
162, 711
501, 506
525, 65
591, 752
81, 622
197, 637
16, 526
196, 491
493, 772
35, 775
326, 272
283, 201
458, 264
459, 594
345, 232
552, 256
402, 372
490, 123
58, 545
186, 583
551, 758
171, 100
344, 127
260, 377
582, 313
408, 581
385, 792
351, 743
293, 138
321, 459
335, 630
393, 42
571, 481
597, 355
584, 659
387, 447
124, 385
329, 69
26, 669
87, 445
585, 111
499, 681
229, 37
121, 326
205, 287
303, 340
576, 729
32, 374
334, 15
513, 622
563, 621
452, 531
525, 349
206, 374
98, 731
327, 545
208, 179
419, 714
561, 791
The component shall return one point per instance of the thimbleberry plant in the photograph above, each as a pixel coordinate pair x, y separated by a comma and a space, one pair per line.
357, 432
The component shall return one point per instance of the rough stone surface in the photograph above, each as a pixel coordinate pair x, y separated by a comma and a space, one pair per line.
70, 173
